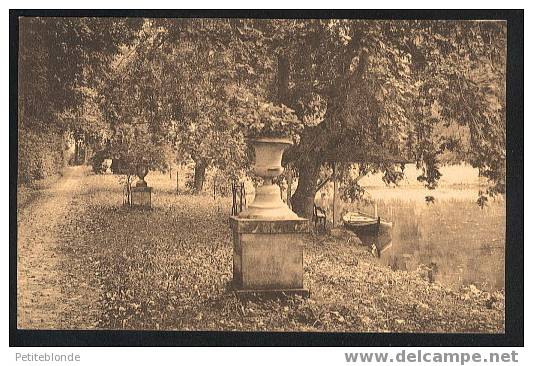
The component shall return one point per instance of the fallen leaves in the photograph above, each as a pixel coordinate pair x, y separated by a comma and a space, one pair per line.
170, 268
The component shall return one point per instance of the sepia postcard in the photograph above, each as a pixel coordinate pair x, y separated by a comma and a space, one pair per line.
297, 174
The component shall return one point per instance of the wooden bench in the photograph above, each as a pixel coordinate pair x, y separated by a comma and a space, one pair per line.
319, 216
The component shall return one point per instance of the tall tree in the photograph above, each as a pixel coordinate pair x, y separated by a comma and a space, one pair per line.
393, 83
419, 89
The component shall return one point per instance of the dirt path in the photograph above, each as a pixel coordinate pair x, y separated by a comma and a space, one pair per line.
50, 294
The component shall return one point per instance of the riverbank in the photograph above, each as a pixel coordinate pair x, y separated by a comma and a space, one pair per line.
170, 268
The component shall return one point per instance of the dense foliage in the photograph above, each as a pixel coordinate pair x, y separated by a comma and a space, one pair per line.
429, 91
60, 62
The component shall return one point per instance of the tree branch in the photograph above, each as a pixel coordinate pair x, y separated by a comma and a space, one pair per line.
322, 184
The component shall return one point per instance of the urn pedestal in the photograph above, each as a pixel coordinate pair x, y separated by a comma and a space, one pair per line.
141, 197
268, 237
268, 256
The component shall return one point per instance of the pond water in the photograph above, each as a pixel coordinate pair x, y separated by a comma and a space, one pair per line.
461, 243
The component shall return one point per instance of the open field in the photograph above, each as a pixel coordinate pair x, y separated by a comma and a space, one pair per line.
170, 268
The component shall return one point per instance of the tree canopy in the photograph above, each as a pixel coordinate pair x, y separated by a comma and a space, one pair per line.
430, 91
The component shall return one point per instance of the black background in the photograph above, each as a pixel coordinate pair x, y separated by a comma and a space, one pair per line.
514, 258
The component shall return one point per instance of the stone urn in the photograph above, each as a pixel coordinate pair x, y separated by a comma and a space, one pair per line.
142, 171
267, 204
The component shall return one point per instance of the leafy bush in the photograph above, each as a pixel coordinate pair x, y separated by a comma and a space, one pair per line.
97, 161
259, 118
40, 154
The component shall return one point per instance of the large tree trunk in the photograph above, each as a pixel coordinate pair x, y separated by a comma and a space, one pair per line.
304, 196
321, 136
199, 176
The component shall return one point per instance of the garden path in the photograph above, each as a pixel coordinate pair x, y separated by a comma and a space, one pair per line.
48, 296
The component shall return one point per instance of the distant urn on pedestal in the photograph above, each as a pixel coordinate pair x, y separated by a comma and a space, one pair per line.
141, 194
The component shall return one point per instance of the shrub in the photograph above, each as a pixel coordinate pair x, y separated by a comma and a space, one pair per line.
97, 161
40, 154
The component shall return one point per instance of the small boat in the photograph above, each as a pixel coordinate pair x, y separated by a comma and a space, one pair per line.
363, 224
373, 231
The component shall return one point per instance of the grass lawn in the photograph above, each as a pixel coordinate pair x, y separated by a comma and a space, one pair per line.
170, 268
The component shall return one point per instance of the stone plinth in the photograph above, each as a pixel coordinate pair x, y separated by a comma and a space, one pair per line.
141, 197
268, 255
